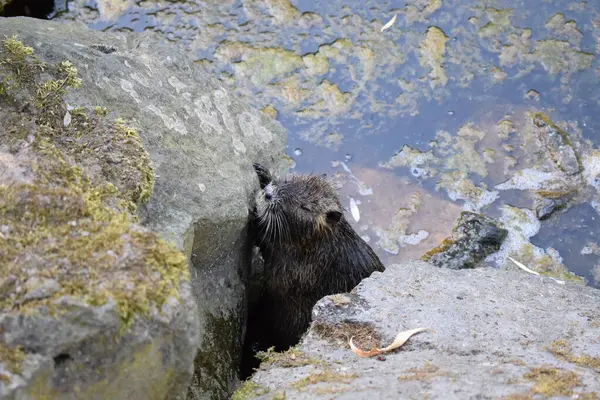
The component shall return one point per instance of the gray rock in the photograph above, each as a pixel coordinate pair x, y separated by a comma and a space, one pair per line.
474, 238
493, 334
201, 142
557, 144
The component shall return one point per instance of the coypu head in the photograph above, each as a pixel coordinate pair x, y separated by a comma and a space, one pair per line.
296, 209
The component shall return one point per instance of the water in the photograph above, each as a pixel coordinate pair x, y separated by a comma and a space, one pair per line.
439, 80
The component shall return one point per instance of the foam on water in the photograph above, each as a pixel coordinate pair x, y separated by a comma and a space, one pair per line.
529, 179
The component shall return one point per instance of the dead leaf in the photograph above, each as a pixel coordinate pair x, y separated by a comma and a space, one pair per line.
389, 23
400, 339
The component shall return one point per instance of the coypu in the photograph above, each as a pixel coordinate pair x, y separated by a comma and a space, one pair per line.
310, 251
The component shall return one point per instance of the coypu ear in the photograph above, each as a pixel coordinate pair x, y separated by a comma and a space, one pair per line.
264, 176
333, 216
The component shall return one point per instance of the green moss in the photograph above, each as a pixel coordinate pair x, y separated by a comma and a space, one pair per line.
20, 61
426, 373
445, 245
249, 390
12, 358
80, 241
588, 396
562, 349
551, 381
270, 111
140, 163
499, 22
557, 56
73, 223
325, 376
292, 357
432, 51
554, 195
564, 274
50, 93
518, 396
261, 65
545, 265
365, 335
102, 111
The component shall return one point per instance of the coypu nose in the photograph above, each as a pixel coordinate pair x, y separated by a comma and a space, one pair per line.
269, 192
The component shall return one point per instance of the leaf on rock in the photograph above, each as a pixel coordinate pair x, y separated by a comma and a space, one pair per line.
400, 339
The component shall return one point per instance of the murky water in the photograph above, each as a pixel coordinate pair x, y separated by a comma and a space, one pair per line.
456, 82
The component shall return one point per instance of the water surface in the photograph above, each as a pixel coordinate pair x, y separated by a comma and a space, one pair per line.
421, 121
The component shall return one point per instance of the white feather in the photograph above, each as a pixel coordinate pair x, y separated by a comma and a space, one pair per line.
389, 23
354, 209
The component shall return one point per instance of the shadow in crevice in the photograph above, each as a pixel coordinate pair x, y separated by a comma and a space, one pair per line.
40, 9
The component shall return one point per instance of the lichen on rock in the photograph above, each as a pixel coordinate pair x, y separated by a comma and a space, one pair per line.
473, 239
70, 182
75, 213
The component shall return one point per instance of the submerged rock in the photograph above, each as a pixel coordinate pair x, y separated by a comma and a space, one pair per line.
556, 142
546, 203
474, 238
201, 142
493, 334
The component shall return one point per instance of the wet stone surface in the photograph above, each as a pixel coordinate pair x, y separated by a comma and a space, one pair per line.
557, 143
545, 203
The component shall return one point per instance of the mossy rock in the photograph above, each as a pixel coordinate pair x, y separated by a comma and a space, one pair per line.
200, 141
90, 302
474, 237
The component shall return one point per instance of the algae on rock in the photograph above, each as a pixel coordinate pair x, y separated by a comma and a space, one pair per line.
71, 254
432, 52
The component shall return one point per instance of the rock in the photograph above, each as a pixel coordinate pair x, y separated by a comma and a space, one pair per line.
493, 334
201, 142
474, 238
546, 203
92, 305
556, 142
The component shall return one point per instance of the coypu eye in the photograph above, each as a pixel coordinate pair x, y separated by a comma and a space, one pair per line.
333, 216
305, 207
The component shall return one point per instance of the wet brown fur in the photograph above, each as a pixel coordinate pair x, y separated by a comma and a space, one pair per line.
310, 251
